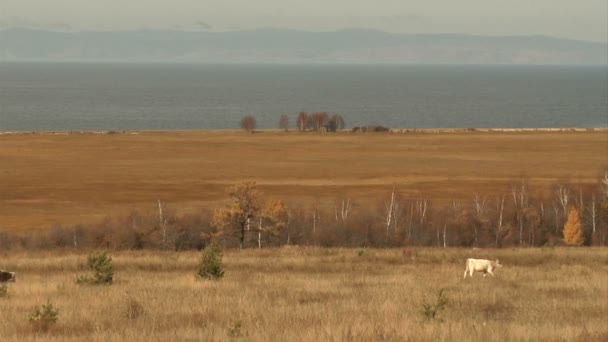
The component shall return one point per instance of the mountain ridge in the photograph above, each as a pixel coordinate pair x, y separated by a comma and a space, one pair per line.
273, 45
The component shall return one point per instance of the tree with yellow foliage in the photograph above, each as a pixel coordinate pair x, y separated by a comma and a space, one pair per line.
242, 208
272, 218
573, 231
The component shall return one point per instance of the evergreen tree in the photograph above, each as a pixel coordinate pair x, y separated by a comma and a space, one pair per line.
210, 265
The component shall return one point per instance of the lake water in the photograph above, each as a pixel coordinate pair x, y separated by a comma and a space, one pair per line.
63, 97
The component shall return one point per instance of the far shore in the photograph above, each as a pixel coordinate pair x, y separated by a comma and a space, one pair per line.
390, 130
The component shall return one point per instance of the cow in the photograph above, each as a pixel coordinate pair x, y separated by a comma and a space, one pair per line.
481, 265
7, 277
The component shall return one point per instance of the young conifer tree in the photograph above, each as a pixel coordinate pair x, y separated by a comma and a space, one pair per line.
573, 231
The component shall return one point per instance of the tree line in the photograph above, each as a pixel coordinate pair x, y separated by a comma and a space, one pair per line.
247, 219
316, 122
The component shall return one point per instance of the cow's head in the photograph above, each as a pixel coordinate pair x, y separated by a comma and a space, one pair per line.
497, 263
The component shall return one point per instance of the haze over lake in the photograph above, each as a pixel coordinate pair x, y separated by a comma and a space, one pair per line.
64, 97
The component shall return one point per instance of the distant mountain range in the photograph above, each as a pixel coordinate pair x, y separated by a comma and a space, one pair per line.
289, 46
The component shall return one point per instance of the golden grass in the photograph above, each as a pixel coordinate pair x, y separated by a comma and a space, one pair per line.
81, 178
313, 294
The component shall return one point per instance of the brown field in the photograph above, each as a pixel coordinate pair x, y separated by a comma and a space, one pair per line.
314, 294
81, 178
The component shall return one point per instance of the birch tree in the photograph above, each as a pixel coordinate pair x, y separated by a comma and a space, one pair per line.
284, 122
302, 121
272, 218
562, 193
479, 205
163, 225
520, 203
342, 209
236, 216
500, 206
390, 212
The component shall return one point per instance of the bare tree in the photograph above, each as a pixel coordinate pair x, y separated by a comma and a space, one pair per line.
563, 196
319, 119
287, 227
580, 204
316, 219
342, 210
420, 207
520, 202
411, 219
555, 207
248, 123
500, 204
397, 213
163, 225
302, 121
604, 182
593, 213
284, 122
390, 212
479, 204
336, 122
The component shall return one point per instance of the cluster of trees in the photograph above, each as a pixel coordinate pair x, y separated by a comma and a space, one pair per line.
317, 122
570, 216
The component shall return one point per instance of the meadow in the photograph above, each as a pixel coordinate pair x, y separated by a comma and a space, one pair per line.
314, 294
77, 178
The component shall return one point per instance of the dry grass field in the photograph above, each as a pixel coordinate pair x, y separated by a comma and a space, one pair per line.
82, 178
313, 294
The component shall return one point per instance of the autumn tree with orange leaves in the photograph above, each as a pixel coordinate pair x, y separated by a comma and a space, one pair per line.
272, 218
573, 231
235, 218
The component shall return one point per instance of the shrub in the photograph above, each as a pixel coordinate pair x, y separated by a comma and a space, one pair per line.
3, 291
235, 329
101, 265
429, 311
133, 309
210, 266
42, 318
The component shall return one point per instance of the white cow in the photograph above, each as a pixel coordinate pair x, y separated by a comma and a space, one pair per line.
481, 265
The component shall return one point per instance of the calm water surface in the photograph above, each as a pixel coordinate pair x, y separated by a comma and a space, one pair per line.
63, 97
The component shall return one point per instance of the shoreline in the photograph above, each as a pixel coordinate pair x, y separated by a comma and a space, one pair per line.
276, 130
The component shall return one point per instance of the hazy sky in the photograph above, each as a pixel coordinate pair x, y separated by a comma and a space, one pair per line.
578, 19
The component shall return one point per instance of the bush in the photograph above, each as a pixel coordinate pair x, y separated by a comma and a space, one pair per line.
210, 266
235, 329
429, 311
3, 291
101, 265
133, 309
42, 318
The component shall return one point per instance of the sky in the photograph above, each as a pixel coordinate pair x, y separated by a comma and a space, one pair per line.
575, 19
